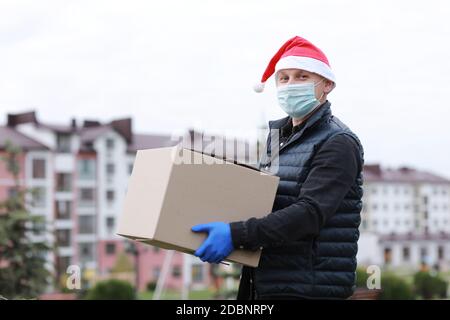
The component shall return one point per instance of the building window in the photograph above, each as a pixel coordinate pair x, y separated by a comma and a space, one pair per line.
374, 207
385, 206
110, 248
417, 224
86, 251
86, 169
63, 182
63, 143
86, 224
39, 195
63, 238
39, 227
198, 273
110, 224
109, 143
406, 253
86, 196
423, 255
374, 190
62, 263
110, 168
176, 271
38, 169
110, 195
441, 255
63, 209
387, 255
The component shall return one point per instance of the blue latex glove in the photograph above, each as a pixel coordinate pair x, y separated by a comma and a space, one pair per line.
218, 245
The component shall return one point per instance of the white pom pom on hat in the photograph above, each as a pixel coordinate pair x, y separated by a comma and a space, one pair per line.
297, 53
259, 87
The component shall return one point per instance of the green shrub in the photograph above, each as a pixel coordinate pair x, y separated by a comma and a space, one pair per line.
112, 290
395, 288
361, 278
151, 286
429, 286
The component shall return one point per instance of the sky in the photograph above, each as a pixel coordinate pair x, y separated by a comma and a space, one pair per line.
173, 65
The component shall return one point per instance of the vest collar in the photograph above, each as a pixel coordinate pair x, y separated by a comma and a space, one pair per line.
320, 114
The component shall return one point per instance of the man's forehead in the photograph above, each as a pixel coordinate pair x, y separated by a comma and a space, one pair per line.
294, 70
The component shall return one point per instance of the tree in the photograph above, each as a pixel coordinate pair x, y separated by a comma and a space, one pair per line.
122, 264
112, 290
429, 285
22, 261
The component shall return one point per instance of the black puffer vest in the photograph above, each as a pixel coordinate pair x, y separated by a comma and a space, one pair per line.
320, 267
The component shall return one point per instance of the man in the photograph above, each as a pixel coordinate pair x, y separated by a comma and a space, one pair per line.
309, 240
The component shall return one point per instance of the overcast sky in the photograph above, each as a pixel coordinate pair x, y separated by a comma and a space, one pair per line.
177, 64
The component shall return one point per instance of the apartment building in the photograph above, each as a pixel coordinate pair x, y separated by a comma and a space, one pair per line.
405, 218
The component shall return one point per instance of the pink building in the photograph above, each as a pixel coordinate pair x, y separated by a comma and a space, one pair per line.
80, 173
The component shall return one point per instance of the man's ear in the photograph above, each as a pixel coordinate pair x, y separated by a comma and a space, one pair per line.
329, 85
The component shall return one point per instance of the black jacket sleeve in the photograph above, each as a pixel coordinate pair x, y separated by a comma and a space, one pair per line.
334, 169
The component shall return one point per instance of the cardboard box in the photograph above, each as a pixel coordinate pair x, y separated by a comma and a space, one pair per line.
172, 189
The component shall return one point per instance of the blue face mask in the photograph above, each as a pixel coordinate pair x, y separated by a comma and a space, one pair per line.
298, 100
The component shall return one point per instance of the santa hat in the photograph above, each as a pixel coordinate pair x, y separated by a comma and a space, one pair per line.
298, 53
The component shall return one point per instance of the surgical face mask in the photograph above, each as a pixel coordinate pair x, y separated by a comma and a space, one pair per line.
298, 100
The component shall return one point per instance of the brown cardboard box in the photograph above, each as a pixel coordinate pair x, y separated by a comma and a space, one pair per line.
172, 189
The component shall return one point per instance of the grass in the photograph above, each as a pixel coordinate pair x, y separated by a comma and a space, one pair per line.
176, 295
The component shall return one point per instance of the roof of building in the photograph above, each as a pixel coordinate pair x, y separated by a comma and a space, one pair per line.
88, 132
19, 139
375, 173
415, 236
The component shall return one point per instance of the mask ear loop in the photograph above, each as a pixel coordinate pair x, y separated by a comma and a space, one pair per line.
316, 84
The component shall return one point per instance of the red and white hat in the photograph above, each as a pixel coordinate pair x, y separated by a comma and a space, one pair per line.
298, 53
